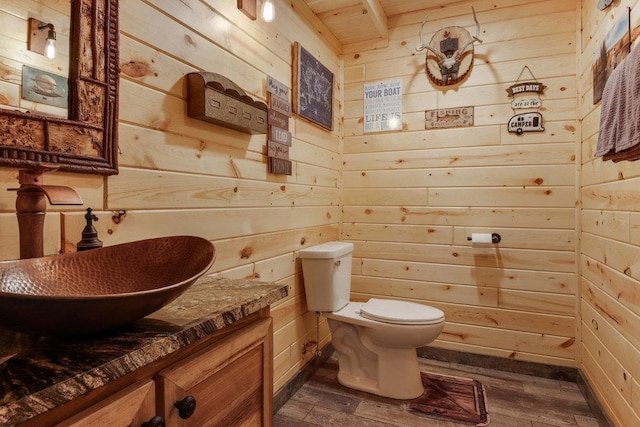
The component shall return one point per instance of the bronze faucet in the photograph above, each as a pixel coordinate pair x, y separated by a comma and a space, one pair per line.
31, 207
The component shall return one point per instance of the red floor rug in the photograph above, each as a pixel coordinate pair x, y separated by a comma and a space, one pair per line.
451, 399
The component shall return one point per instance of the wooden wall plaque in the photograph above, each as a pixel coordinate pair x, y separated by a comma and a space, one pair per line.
279, 139
278, 119
278, 150
280, 166
277, 88
280, 136
281, 105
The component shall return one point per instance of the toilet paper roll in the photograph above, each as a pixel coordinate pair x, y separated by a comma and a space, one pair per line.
482, 238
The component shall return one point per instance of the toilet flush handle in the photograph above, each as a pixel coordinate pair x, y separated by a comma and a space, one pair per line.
337, 263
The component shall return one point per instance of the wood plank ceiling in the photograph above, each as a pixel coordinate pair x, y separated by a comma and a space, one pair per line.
347, 24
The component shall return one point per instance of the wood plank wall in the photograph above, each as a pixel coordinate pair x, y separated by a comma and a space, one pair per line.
411, 198
183, 176
610, 245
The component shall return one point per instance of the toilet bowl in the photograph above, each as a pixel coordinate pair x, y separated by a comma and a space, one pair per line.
380, 357
375, 341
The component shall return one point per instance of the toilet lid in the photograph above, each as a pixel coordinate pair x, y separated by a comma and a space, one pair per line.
400, 312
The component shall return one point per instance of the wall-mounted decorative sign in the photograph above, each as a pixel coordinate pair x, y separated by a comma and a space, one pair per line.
526, 122
530, 121
531, 87
312, 88
383, 106
448, 118
274, 149
280, 105
44, 87
216, 99
518, 104
449, 53
280, 136
277, 88
280, 166
279, 139
276, 118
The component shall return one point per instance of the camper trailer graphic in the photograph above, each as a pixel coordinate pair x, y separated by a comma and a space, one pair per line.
526, 122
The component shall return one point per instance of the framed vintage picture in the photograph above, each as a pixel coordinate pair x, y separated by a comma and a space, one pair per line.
312, 88
45, 87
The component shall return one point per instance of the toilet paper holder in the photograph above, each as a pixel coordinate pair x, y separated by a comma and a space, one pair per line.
495, 238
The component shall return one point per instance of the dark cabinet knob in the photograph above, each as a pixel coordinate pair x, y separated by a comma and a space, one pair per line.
186, 407
156, 421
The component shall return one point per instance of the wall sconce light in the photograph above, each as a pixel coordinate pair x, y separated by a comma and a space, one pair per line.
41, 41
268, 11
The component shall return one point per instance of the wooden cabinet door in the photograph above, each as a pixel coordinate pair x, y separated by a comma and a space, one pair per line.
132, 406
231, 381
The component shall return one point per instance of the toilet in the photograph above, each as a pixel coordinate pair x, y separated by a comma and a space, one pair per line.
375, 341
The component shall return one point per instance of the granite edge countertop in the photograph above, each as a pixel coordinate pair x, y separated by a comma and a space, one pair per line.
38, 374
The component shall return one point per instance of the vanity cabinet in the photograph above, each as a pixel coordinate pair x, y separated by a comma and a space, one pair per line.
213, 344
230, 383
132, 406
224, 379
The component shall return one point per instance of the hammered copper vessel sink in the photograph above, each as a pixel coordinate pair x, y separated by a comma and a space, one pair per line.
96, 290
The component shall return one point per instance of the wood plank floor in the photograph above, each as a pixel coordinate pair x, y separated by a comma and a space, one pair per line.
512, 400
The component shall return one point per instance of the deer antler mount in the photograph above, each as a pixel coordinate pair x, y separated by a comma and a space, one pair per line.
449, 53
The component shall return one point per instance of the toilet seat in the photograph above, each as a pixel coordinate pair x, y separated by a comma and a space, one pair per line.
400, 312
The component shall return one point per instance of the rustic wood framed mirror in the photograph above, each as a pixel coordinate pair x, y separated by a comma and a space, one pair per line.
86, 141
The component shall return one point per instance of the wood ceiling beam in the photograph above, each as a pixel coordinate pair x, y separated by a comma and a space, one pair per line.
379, 18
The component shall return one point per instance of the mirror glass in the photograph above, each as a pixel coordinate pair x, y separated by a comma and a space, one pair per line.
79, 133
31, 82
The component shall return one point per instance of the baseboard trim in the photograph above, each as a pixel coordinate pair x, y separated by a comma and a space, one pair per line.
593, 402
563, 373
294, 384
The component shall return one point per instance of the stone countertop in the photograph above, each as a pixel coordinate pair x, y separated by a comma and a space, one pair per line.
38, 374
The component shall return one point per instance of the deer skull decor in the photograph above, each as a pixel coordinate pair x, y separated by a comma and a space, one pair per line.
449, 53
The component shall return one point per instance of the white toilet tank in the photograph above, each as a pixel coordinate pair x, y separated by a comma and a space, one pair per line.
326, 270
